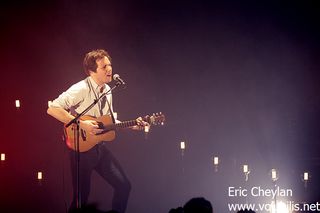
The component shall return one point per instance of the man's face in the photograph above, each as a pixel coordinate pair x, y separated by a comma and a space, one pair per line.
103, 73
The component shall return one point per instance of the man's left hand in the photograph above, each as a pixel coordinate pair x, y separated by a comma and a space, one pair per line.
140, 124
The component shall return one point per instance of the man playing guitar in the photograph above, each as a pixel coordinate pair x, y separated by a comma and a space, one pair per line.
97, 65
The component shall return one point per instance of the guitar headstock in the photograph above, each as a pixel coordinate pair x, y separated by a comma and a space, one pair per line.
155, 119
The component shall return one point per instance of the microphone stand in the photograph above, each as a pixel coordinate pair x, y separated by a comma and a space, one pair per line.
77, 134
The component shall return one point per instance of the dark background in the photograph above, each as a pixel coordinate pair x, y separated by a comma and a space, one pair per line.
235, 79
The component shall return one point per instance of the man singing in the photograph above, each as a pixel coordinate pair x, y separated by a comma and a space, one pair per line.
97, 65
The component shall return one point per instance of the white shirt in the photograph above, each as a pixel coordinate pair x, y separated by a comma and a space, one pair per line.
80, 95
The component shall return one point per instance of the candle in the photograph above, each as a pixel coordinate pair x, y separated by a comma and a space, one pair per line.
39, 175
17, 103
245, 168
215, 161
305, 176
3, 157
273, 174
182, 145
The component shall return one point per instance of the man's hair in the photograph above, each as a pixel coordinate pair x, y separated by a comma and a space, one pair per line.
89, 61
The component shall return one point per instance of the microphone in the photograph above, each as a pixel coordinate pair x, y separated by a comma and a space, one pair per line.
117, 78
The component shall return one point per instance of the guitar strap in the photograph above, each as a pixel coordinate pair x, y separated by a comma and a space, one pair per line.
110, 111
102, 101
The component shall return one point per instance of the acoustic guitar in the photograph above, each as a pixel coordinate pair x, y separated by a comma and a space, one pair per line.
87, 141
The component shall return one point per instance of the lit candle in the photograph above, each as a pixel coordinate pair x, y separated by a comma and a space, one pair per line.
305, 176
215, 161
182, 145
245, 168
17, 103
3, 157
273, 174
39, 176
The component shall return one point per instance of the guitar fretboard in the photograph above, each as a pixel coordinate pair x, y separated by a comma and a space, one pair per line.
126, 124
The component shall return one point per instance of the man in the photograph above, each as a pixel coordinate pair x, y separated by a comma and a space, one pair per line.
97, 65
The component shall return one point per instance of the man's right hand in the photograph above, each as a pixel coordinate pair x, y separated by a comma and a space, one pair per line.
90, 126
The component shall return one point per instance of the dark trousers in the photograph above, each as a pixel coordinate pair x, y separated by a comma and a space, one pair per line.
100, 159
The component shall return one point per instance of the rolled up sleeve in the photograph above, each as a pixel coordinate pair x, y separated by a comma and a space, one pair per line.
70, 98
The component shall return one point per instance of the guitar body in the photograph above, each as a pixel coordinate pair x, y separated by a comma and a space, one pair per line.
87, 141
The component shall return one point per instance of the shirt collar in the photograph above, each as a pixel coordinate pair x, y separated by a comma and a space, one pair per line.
95, 86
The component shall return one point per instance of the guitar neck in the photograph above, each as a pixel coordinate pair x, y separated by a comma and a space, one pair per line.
152, 120
125, 124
